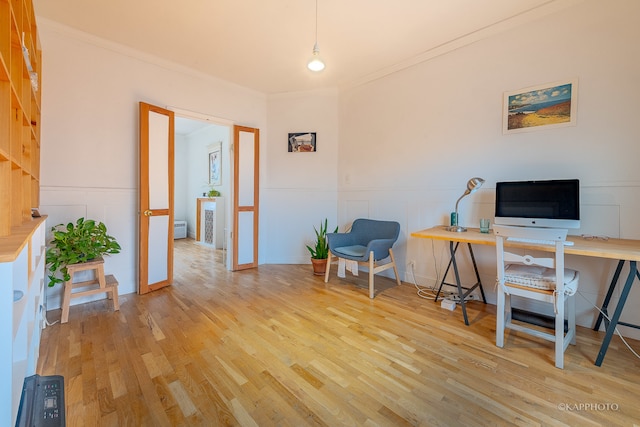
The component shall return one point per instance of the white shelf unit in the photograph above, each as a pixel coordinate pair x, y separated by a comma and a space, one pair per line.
22, 262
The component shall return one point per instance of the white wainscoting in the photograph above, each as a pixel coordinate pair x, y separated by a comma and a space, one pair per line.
117, 209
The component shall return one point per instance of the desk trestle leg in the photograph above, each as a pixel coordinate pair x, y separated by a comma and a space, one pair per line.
462, 295
610, 325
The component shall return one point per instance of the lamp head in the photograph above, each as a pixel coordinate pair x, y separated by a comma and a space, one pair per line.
473, 184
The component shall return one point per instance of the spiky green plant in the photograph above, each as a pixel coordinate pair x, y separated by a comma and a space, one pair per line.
321, 249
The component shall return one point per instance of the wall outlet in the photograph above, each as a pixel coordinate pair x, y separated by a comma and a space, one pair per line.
411, 264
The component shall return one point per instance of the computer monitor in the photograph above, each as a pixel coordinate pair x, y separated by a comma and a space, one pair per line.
550, 203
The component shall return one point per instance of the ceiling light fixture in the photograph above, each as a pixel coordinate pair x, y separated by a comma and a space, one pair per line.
315, 63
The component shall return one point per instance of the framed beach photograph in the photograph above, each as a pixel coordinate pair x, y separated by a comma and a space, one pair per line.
540, 107
215, 165
302, 142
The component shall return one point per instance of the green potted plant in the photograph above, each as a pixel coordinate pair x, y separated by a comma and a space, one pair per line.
76, 243
210, 191
320, 252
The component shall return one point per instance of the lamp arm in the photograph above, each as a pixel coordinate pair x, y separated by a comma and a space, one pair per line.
466, 193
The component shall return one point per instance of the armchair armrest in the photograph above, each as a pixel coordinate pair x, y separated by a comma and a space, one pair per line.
380, 248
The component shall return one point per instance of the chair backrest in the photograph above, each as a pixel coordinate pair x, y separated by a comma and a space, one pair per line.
370, 229
539, 241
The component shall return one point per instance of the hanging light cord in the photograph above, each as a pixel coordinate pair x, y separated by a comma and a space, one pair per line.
316, 43
316, 64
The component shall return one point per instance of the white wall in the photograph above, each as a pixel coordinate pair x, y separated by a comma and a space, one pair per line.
299, 190
89, 164
180, 180
410, 141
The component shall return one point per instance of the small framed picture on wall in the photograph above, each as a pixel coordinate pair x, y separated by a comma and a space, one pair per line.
302, 142
215, 166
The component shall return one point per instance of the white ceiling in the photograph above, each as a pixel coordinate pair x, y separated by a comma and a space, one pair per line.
265, 44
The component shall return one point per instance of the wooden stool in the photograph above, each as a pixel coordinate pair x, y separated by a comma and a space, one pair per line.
107, 284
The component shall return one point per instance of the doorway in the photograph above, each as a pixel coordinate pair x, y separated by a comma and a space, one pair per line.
196, 140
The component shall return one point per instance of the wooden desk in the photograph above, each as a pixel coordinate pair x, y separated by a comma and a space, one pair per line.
624, 250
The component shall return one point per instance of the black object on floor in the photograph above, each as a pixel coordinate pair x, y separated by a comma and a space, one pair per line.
42, 402
536, 319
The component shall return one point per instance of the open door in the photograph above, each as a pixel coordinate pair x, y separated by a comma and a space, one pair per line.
246, 156
156, 198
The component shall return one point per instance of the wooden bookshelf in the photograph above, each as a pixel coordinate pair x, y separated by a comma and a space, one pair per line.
20, 81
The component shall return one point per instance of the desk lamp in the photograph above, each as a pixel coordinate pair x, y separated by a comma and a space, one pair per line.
472, 185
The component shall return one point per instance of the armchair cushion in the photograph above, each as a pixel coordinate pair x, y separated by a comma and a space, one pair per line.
352, 251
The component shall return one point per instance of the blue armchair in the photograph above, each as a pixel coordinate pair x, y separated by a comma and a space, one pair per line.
369, 241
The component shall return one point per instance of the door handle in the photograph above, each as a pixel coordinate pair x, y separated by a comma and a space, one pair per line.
148, 213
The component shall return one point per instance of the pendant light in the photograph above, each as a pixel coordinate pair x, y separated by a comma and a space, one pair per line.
315, 63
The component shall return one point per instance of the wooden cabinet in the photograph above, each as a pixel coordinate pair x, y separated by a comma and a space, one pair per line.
22, 281
20, 78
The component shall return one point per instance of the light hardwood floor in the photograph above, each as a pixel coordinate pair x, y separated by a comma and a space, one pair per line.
278, 346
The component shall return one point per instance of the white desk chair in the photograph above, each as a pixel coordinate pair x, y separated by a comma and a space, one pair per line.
536, 277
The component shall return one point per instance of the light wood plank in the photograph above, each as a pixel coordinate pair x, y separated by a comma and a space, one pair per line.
182, 397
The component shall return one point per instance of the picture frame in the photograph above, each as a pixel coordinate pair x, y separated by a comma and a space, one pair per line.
545, 106
302, 142
215, 165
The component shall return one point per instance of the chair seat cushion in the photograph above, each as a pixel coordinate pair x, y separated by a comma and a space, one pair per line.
534, 276
356, 251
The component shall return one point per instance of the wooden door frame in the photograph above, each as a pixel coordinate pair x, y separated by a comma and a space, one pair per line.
144, 209
237, 209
